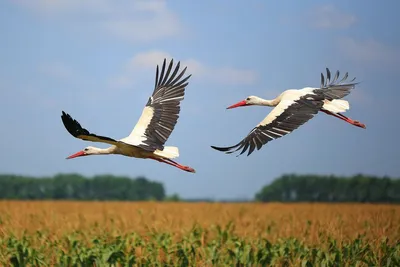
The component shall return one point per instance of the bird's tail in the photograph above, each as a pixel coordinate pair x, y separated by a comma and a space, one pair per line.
336, 105
168, 152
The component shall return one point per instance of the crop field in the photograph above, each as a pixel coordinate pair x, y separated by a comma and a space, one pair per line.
197, 234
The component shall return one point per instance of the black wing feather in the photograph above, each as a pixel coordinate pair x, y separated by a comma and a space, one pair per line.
169, 91
77, 131
290, 119
335, 89
295, 115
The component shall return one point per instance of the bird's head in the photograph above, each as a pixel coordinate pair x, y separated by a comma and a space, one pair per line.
85, 152
249, 101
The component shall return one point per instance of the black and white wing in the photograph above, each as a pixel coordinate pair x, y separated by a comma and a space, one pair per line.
76, 130
287, 116
161, 112
335, 89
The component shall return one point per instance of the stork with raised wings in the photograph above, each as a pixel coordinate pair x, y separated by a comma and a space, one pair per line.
293, 108
155, 125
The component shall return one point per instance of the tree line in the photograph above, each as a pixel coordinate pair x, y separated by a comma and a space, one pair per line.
287, 188
78, 187
319, 188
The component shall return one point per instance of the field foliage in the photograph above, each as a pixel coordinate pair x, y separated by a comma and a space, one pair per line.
198, 234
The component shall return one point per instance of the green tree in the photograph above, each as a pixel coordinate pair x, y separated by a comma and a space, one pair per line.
358, 188
173, 198
78, 187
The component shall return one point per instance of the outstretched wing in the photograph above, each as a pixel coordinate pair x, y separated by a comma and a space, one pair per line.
335, 89
287, 116
161, 112
76, 130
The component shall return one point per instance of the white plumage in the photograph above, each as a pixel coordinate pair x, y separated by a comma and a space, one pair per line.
293, 108
336, 105
153, 128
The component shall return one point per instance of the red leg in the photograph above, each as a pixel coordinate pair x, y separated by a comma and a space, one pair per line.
175, 164
346, 119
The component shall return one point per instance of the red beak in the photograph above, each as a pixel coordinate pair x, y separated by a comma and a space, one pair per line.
239, 104
78, 154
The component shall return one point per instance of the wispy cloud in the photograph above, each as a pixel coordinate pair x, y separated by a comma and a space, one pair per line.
135, 20
23, 95
227, 75
369, 51
329, 17
230, 75
56, 70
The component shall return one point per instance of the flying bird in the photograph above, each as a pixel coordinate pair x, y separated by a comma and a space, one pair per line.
153, 128
293, 108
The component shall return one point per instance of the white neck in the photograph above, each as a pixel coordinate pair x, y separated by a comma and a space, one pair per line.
103, 151
264, 102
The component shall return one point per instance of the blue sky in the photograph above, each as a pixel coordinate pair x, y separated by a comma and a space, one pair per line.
96, 60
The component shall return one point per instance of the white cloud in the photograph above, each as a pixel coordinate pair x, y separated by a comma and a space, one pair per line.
56, 70
369, 51
229, 75
328, 16
149, 60
133, 20
21, 95
60, 72
57, 8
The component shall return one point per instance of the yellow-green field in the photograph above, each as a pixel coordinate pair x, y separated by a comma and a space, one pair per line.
198, 234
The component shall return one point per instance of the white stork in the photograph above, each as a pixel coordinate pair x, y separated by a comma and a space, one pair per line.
293, 108
155, 125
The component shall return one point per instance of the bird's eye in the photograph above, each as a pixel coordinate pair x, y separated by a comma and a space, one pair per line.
85, 149
248, 99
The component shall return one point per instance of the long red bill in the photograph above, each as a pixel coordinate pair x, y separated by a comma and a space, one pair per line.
78, 154
239, 104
